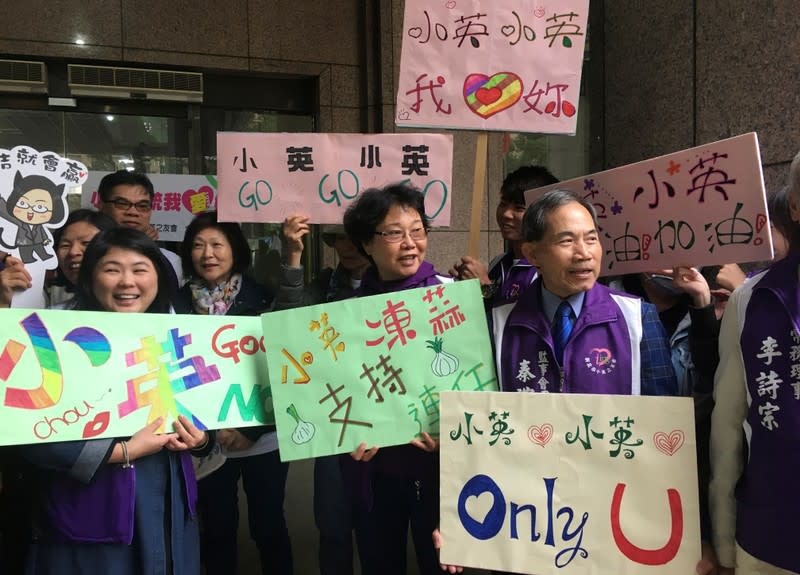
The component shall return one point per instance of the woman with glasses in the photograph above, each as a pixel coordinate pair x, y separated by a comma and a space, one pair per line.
398, 485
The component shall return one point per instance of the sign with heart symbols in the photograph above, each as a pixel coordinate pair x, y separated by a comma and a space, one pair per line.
669, 444
584, 491
512, 65
490, 95
540, 434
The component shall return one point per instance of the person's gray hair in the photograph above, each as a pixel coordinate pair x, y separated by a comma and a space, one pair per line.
794, 179
534, 223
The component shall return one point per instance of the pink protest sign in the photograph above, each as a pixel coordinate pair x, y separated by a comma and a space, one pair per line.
702, 206
266, 177
511, 65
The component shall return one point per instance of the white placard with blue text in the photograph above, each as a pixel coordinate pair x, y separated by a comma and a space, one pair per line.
567, 483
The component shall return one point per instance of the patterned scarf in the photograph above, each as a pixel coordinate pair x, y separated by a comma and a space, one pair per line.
215, 301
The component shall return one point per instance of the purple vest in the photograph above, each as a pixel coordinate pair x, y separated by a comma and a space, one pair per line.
512, 278
102, 511
371, 284
399, 460
768, 495
602, 355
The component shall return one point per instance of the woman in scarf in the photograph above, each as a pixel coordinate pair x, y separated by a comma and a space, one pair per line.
215, 257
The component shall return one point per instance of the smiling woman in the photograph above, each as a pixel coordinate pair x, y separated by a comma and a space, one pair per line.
399, 484
122, 505
216, 257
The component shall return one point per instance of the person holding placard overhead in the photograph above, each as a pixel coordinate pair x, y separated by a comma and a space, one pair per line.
396, 486
334, 514
755, 425
216, 257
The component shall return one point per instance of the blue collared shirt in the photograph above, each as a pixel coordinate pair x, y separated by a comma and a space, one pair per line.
657, 373
551, 301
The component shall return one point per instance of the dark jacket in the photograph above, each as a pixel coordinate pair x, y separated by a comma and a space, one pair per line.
330, 285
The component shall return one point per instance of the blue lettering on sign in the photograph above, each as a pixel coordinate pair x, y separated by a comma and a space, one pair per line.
427, 187
340, 191
254, 199
440, 183
491, 525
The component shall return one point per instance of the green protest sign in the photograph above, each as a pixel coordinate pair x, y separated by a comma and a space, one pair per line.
371, 369
69, 375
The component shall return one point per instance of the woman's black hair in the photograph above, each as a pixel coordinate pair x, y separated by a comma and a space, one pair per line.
780, 216
232, 232
363, 217
126, 239
97, 219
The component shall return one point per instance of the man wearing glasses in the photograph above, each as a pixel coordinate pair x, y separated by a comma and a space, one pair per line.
128, 198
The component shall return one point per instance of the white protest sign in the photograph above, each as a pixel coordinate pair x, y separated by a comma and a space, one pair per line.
566, 483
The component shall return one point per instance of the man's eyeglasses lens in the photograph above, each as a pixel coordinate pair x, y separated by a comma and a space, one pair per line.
124, 205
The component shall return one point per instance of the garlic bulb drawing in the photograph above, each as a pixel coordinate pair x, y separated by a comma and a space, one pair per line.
443, 363
303, 430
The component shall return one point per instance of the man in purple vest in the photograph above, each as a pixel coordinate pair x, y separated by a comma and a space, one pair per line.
755, 425
567, 333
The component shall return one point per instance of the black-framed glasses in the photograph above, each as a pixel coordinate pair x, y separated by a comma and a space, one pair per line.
396, 236
124, 205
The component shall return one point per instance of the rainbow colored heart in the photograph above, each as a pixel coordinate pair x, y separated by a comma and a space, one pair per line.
488, 95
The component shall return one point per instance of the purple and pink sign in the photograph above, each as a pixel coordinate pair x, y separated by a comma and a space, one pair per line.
702, 206
510, 65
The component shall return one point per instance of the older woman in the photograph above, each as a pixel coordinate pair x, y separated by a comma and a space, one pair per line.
389, 226
215, 257
122, 506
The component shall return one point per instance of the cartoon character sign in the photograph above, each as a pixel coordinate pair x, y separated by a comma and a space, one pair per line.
34, 203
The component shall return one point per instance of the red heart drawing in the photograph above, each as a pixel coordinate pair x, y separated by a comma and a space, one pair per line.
96, 426
198, 201
488, 95
450, 5
669, 444
539, 12
540, 434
